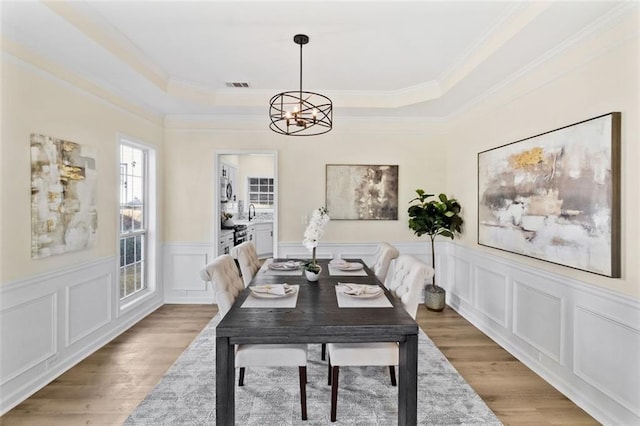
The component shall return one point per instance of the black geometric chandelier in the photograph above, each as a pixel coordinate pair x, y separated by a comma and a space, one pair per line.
300, 113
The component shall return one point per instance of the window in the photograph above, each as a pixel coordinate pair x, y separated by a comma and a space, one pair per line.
261, 192
133, 219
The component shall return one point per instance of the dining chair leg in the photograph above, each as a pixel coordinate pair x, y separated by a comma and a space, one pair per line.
241, 377
334, 392
324, 351
392, 373
329, 373
303, 391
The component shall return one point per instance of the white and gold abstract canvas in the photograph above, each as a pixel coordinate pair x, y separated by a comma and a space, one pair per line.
63, 196
556, 196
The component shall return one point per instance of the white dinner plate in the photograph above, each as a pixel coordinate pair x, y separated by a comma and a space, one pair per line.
289, 291
350, 267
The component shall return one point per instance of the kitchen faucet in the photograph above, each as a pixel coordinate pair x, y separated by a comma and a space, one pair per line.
254, 211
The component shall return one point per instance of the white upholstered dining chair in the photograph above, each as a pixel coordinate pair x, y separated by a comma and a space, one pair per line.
380, 266
406, 281
382, 259
227, 285
248, 262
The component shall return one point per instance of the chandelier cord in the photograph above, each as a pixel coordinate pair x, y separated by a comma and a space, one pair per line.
301, 77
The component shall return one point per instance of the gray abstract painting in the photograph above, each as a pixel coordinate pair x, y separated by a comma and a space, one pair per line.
362, 192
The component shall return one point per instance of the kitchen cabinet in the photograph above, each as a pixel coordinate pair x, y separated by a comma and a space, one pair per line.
225, 242
264, 239
251, 233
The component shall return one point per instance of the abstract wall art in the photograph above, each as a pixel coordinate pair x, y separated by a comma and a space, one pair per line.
362, 192
556, 196
63, 197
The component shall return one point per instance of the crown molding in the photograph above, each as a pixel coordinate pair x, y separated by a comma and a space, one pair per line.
619, 26
42, 65
612, 29
91, 25
87, 22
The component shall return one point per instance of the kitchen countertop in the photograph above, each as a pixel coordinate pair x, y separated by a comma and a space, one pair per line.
252, 222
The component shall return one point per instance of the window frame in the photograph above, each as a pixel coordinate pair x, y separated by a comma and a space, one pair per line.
149, 220
259, 206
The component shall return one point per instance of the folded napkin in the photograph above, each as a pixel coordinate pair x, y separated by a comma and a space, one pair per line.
339, 263
279, 289
291, 264
357, 289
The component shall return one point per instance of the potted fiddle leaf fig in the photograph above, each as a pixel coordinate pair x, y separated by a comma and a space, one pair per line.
434, 217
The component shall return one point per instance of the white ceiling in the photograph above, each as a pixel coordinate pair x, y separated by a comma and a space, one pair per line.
376, 58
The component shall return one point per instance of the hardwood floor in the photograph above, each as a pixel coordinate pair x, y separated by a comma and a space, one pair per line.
107, 386
516, 394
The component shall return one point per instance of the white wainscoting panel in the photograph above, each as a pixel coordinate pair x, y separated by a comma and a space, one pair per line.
186, 271
491, 294
537, 319
603, 344
182, 281
89, 305
461, 285
27, 336
52, 321
582, 339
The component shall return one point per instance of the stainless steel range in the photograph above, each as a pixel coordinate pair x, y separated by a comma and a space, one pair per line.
239, 234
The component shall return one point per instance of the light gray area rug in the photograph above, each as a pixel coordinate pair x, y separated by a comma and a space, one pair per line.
270, 396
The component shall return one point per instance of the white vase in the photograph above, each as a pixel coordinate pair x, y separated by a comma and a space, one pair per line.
312, 276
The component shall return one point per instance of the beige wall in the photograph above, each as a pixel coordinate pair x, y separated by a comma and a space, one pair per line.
33, 102
301, 173
605, 82
598, 75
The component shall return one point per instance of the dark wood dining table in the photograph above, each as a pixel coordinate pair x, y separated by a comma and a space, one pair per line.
316, 318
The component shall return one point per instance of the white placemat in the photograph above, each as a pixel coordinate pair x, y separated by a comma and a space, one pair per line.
277, 302
264, 269
337, 272
346, 301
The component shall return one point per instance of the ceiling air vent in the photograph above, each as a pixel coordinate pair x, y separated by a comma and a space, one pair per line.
237, 84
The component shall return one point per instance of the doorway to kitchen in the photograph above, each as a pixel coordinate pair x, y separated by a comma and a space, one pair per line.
246, 201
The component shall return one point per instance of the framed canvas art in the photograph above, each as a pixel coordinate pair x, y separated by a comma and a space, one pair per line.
63, 196
556, 196
362, 192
